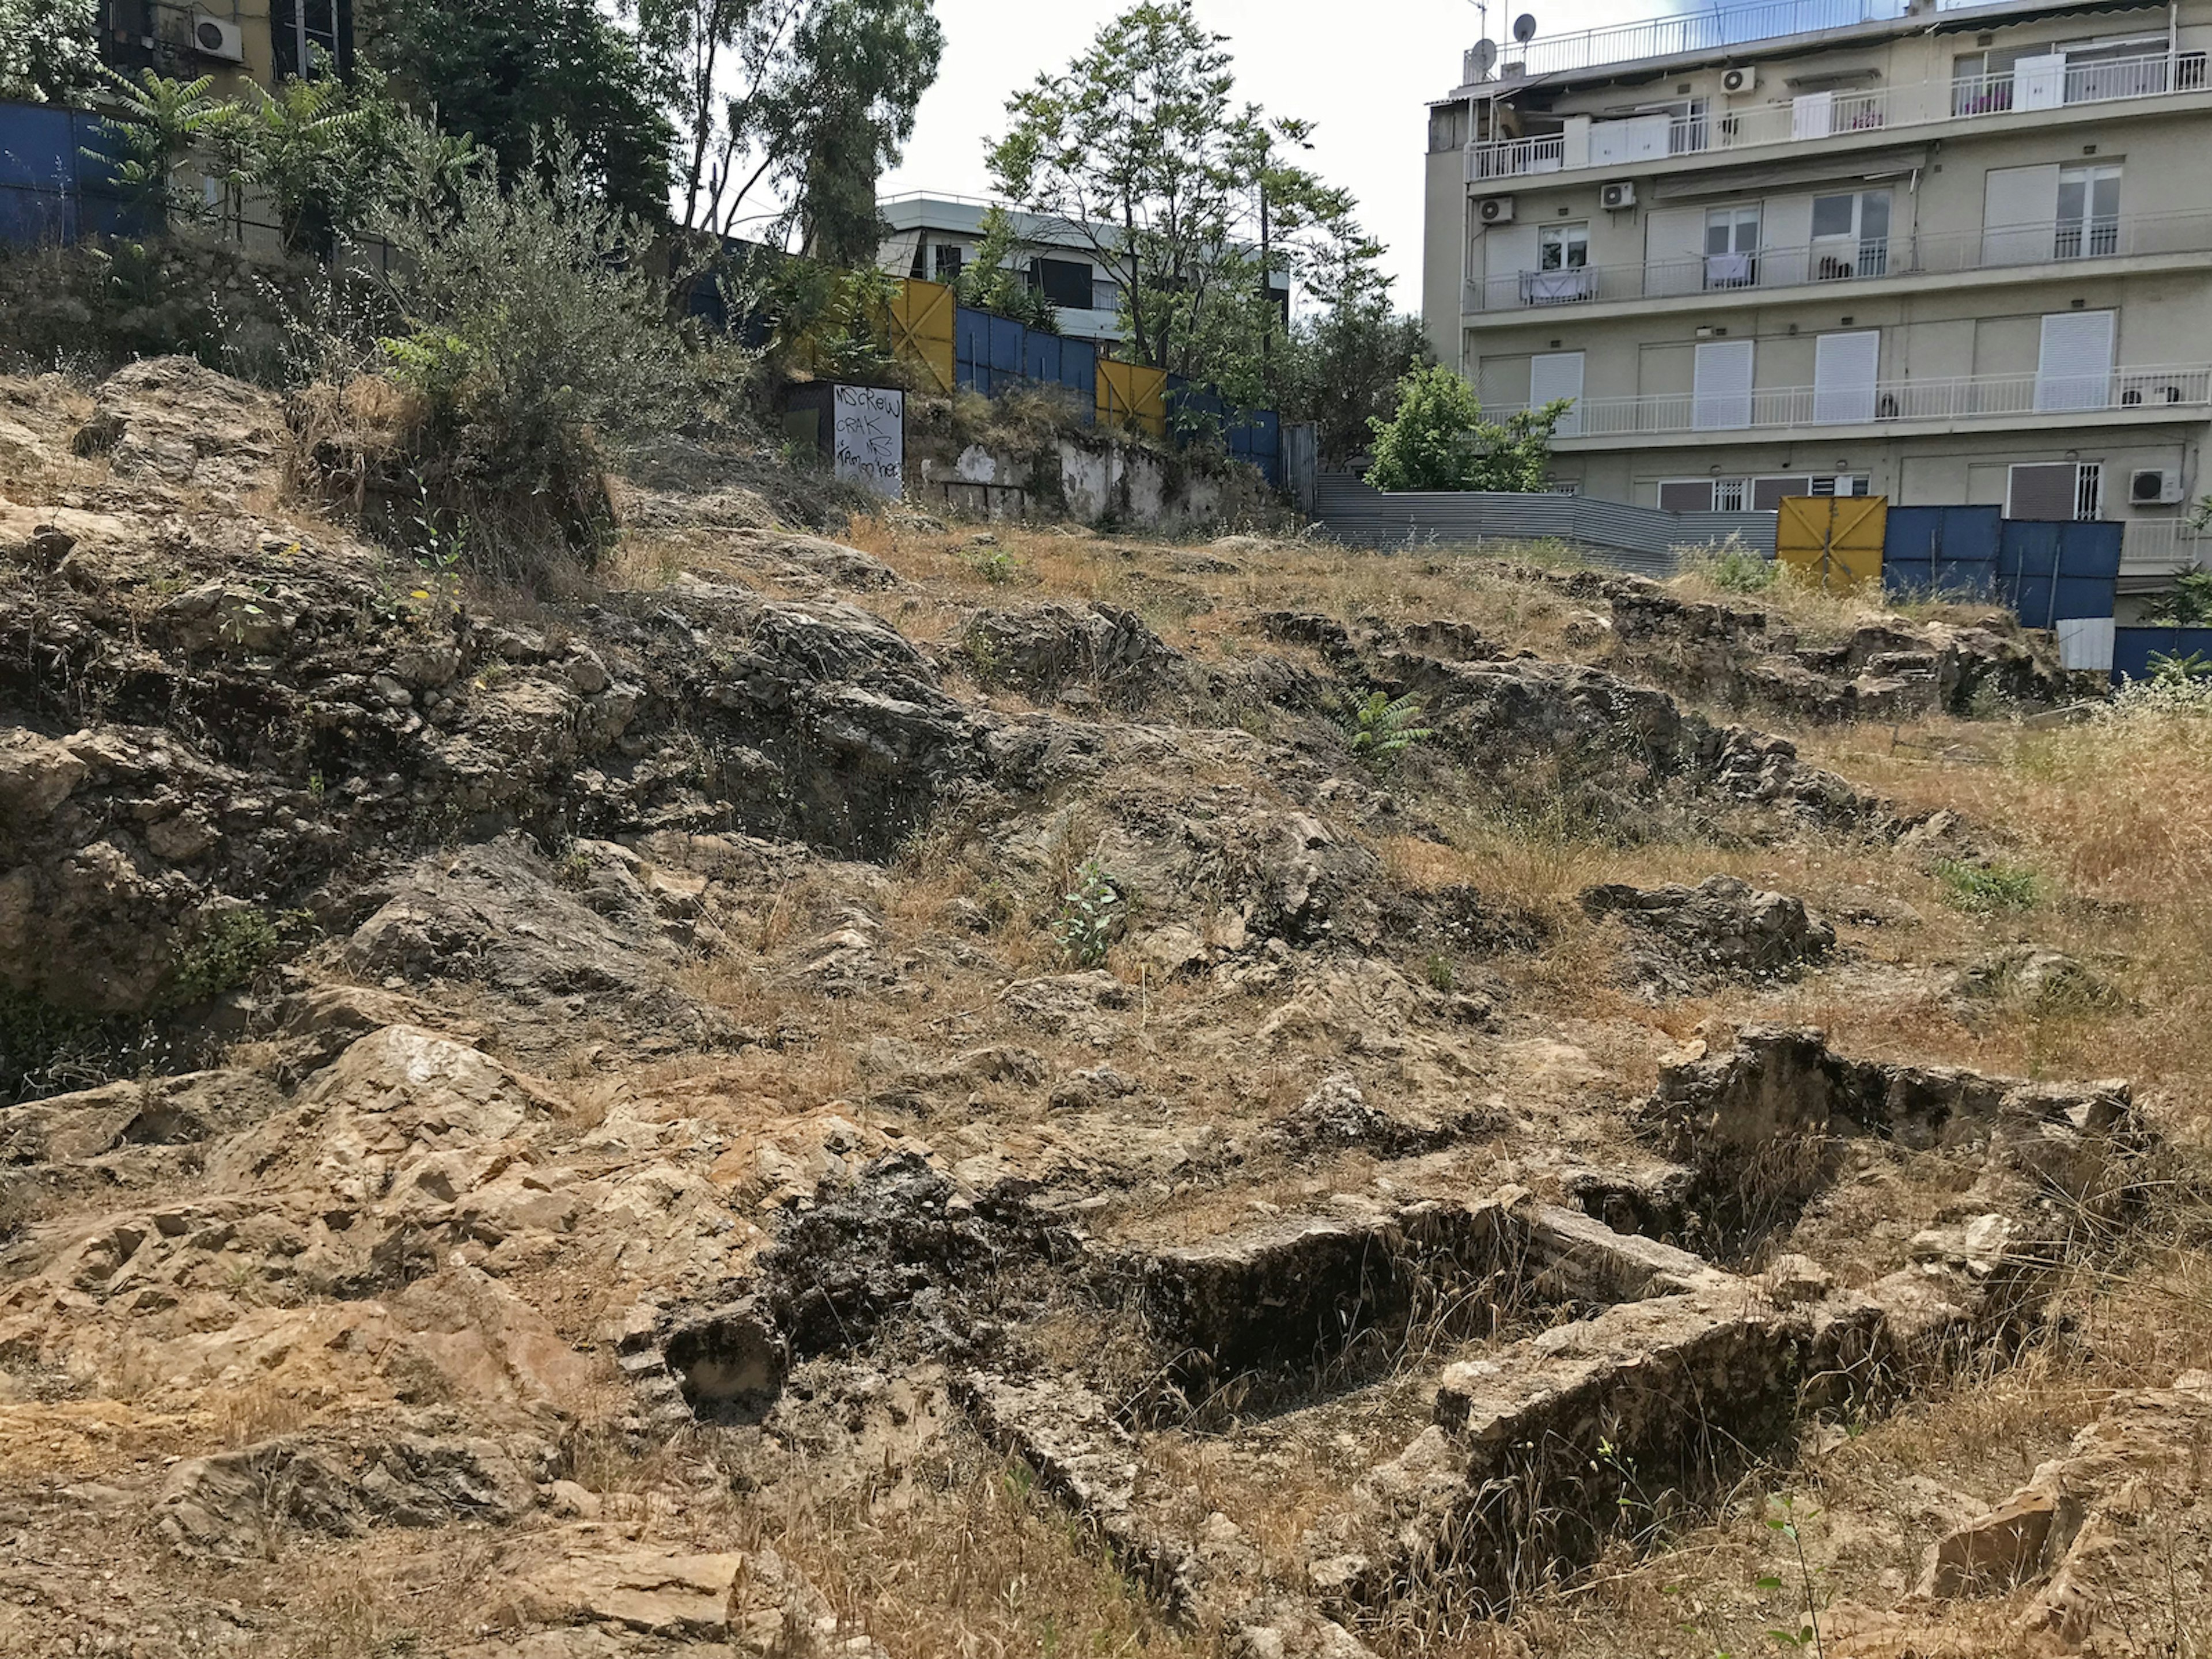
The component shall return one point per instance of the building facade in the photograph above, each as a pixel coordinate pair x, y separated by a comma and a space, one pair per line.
264, 41
1943, 253
936, 237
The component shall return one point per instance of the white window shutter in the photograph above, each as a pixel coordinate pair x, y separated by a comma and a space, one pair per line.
2019, 215
1557, 374
1845, 367
1812, 114
1721, 387
2073, 369
2039, 82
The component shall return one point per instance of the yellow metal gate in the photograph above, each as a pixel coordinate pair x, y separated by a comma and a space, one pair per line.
1833, 541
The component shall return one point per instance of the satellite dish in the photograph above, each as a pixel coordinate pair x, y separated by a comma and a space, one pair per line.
1524, 27
1486, 58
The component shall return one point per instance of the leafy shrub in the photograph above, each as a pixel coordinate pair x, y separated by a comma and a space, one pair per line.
1983, 888
228, 952
1736, 569
1381, 729
2189, 603
534, 340
1090, 916
1438, 439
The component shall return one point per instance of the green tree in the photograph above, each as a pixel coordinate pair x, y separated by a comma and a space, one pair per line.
1438, 439
50, 50
813, 98
1202, 209
989, 282
866, 64
1344, 369
158, 124
508, 72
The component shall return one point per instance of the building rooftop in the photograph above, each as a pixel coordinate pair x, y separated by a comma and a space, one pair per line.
1723, 30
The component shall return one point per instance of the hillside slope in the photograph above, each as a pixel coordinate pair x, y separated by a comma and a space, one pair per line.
971, 1089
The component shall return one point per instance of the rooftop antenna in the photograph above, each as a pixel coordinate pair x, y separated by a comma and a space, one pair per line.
1524, 27
1486, 57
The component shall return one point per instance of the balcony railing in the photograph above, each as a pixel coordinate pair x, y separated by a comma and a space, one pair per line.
1964, 397
2153, 547
1846, 259
1816, 115
1707, 31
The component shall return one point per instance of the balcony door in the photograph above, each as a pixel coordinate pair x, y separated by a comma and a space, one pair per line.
1851, 234
1557, 374
1563, 269
2088, 213
2074, 364
2019, 215
1720, 397
1732, 247
1845, 367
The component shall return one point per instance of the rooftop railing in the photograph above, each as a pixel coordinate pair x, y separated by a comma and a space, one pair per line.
1845, 259
1712, 29
1818, 115
1949, 398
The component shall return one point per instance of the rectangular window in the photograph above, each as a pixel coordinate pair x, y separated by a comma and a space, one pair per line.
2055, 489
1563, 273
2089, 212
1687, 495
949, 261
1728, 494
1732, 247
1766, 493
1851, 234
1064, 282
1563, 247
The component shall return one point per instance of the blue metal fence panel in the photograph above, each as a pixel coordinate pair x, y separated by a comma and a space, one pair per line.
2133, 648
1941, 549
51, 190
2052, 571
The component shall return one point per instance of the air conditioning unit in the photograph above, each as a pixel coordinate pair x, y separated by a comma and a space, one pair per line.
1743, 78
212, 37
1619, 194
1495, 210
2154, 487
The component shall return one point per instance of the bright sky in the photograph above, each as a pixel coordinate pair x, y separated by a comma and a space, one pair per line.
1362, 69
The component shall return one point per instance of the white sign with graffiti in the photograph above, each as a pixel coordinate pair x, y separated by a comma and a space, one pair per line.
869, 438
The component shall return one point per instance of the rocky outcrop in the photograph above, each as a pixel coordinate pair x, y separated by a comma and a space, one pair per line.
1682, 937
1052, 651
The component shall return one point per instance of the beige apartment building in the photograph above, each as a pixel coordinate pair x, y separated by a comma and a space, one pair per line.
1940, 252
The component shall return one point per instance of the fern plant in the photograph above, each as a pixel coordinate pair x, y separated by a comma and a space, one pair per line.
1381, 729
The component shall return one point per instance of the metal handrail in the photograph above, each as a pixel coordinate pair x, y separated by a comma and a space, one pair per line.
1708, 31
1934, 253
1828, 115
1961, 397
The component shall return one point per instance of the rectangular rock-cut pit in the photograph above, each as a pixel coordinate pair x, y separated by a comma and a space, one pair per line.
1298, 1293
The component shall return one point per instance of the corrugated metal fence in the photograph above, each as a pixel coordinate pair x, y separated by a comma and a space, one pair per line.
2132, 647
51, 191
2048, 571
1639, 538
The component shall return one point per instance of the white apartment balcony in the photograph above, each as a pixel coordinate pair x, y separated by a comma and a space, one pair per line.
1847, 258
2159, 547
1689, 33
2047, 83
2163, 391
